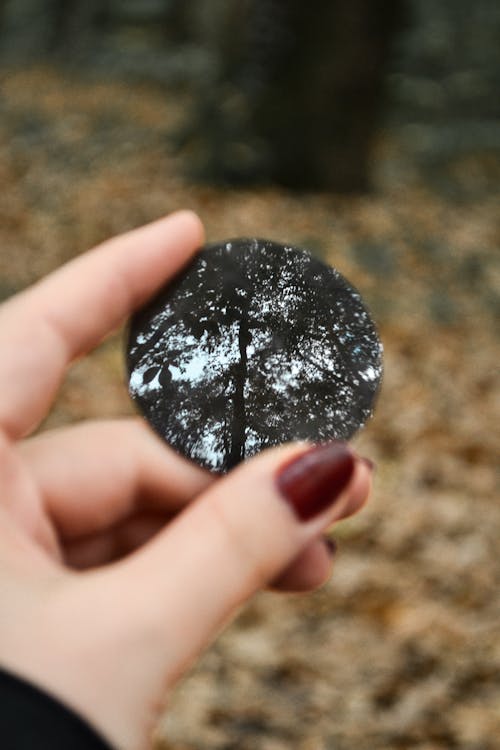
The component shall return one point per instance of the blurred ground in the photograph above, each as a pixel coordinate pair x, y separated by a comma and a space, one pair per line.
402, 649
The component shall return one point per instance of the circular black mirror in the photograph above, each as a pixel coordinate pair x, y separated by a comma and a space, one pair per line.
252, 345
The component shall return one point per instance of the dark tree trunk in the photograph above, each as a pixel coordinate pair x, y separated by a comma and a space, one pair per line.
300, 91
76, 23
238, 428
320, 117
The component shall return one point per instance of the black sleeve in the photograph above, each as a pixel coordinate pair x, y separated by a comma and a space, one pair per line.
31, 719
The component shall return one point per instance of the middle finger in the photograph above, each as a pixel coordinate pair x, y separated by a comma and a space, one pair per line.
93, 475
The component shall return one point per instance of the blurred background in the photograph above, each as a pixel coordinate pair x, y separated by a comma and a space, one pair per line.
369, 133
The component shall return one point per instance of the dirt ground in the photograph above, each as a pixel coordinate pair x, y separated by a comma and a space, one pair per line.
401, 650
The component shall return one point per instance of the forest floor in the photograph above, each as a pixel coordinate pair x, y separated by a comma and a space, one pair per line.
401, 650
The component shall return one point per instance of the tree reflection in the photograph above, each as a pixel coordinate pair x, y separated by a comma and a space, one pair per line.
254, 345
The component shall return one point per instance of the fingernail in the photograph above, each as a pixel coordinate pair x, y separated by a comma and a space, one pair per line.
331, 545
314, 480
368, 462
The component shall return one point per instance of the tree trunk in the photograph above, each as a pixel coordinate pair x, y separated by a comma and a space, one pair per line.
238, 427
300, 91
322, 114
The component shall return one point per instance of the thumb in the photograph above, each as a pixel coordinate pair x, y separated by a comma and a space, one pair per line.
239, 535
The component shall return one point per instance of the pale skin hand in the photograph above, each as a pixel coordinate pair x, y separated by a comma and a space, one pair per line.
119, 560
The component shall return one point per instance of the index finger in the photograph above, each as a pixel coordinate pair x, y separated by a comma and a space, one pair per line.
70, 311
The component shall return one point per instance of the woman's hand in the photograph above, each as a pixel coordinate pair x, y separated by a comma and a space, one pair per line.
119, 560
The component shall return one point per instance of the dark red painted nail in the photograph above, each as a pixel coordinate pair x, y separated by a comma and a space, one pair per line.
314, 480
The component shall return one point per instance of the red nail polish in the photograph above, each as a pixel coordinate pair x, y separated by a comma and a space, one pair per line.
314, 480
